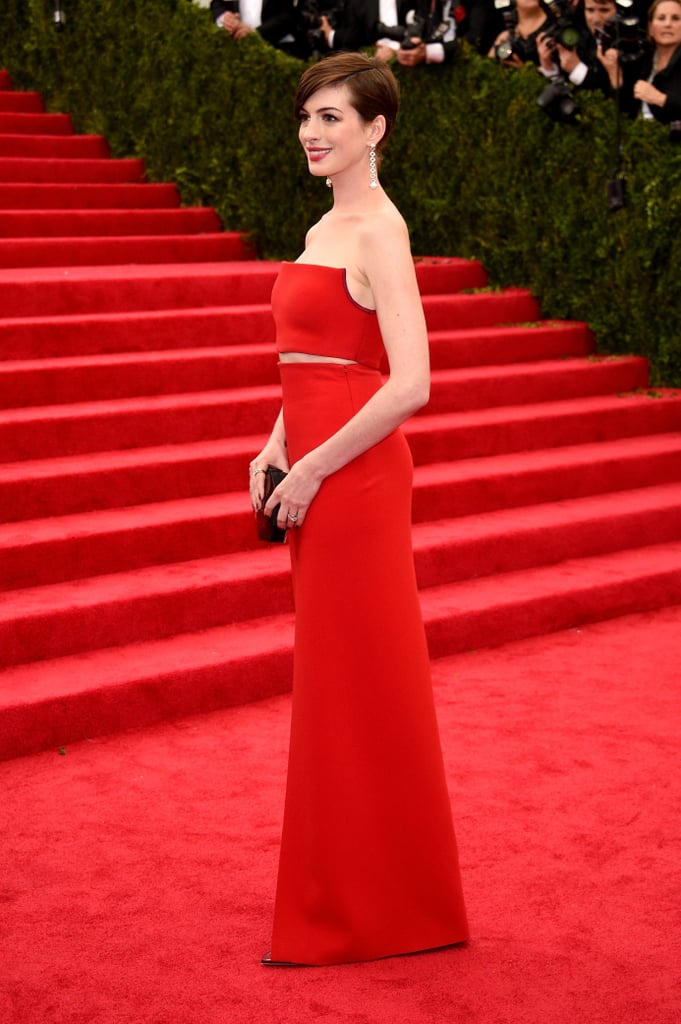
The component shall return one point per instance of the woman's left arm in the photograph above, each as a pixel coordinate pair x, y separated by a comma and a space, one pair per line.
389, 267
663, 95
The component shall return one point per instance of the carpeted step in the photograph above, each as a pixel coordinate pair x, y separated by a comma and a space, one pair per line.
72, 252
121, 375
484, 346
21, 102
172, 329
549, 424
435, 276
83, 147
469, 388
135, 422
86, 290
157, 601
42, 170
83, 196
521, 479
60, 381
63, 700
81, 483
92, 544
50, 431
509, 540
142, 604
12, 123
31, 490
50, 703
480, 309
31, 337
76, 547
497, 609
105, 224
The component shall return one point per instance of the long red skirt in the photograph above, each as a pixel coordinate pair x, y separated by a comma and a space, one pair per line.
368, 864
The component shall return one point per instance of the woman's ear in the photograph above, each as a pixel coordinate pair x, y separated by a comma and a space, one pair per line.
377, 129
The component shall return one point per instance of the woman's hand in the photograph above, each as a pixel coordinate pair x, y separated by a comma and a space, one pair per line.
294, 495
270, 456
514, 60
546, 48
647, 93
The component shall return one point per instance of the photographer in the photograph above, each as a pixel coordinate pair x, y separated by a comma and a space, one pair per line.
352, 24
274, 20
580, 63
653, 90
426, 35
525, 20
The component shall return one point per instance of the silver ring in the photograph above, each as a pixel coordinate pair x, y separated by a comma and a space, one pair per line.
293, 516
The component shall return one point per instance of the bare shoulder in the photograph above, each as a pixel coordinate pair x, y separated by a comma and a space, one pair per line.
384, 246
313, 230
385, 228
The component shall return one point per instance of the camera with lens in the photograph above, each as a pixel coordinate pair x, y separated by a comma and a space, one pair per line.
414, 28
310, 15
623, 33
562, 26
514, 44
557, 101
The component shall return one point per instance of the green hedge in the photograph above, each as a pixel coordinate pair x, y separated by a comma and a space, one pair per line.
476, 167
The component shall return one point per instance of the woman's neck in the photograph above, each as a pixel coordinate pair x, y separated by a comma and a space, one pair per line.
351, 194
529, 22
663, 54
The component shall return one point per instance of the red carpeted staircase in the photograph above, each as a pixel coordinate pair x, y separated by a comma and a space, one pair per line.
137, 379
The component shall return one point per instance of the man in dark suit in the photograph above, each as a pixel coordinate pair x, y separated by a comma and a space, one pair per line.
274, 20
580, 63
361, 24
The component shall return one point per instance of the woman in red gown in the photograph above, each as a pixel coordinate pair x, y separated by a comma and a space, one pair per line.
368, 865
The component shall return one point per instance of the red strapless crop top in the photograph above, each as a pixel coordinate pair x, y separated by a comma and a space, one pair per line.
315, 313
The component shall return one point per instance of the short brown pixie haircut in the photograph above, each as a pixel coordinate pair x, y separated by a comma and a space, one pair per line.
371, 84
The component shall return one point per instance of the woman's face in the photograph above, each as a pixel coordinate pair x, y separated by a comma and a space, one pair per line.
331, 132
665, 24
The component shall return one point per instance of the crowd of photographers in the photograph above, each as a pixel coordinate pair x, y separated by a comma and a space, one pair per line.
629, 50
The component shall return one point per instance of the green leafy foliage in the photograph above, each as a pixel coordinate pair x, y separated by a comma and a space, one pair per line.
475, 166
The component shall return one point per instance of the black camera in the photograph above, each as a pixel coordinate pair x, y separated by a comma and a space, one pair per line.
415, 28
562, 26
310, 16
623, 33
556, 100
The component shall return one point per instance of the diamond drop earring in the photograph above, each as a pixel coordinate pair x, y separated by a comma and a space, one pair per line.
372, 167
329, 183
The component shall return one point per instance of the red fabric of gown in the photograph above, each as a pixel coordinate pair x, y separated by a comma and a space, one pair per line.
368, 864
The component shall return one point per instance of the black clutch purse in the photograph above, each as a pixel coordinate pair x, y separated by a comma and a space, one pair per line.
267, 525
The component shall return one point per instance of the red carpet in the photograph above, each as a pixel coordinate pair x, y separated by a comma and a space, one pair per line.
137, 376
137, 871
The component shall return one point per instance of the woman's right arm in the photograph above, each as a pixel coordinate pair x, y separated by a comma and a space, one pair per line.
275, 453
